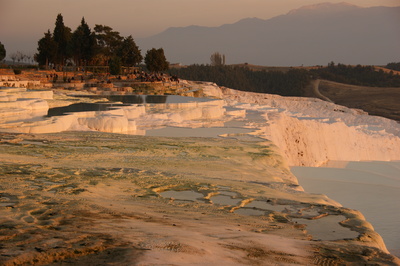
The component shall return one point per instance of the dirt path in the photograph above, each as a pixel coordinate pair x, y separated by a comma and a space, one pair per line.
318, 93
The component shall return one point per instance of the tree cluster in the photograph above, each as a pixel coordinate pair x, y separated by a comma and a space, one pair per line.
290, 83
357, 75
155, 60
2, 52
101, 46
84, 46
393, 66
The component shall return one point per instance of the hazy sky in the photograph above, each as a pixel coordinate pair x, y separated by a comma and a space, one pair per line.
23, 22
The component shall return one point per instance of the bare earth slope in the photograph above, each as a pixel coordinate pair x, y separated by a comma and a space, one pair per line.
376, 101
97, 198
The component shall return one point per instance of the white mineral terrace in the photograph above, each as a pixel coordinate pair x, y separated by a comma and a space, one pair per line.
309, 132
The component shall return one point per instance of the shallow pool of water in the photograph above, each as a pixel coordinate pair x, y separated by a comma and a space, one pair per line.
266, 206
203, 132
249, 211
81, 107
182, 195
146, 99
327, 228
225, 200
370, 187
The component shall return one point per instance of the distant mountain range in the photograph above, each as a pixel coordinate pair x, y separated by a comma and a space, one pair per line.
311, 35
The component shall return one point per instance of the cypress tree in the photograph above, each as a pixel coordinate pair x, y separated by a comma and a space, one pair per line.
2, 51
47, 49
83, 44
62, 37
129, 52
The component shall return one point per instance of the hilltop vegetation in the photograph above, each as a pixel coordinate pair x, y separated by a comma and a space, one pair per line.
393, 66
291, 82
358, 75
101, 47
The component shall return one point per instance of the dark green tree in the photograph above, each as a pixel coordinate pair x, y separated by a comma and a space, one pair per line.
115, 65
47, 50
129, 52
62, 37
155, 60
83, 44
108, 42
394, 66
2, 52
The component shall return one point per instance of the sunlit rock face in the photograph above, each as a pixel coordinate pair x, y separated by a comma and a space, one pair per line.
308, 131
132, 119
188, 114
18, 104
62, 123
30, 105
312, 142
108, 123
311, 131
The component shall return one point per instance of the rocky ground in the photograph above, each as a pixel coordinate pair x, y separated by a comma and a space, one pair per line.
92, 198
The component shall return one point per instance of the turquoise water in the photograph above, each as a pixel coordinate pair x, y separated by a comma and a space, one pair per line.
370, 187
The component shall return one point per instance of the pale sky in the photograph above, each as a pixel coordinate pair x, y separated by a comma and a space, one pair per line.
23, 22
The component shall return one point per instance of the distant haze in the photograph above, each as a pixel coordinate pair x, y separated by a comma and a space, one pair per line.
313, 35
23, 22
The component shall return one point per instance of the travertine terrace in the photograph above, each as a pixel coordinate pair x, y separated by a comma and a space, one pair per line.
91, 187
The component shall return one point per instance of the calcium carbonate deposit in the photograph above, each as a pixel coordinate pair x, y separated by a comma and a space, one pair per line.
205, 182
309, 132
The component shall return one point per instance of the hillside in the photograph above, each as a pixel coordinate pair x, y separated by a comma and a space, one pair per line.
312, 35
376, 101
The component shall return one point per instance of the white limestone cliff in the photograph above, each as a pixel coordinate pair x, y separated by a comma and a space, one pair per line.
310, 131
22, 114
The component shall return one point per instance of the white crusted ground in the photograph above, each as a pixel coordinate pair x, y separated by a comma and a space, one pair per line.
308, 131
93, 198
